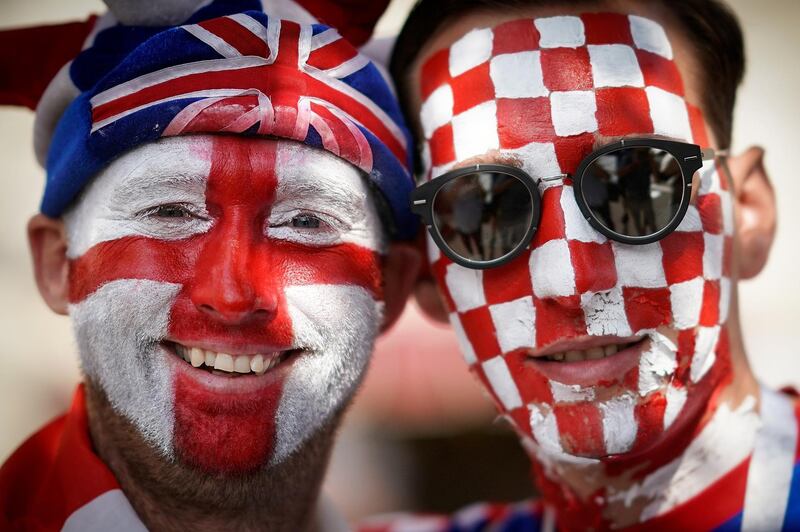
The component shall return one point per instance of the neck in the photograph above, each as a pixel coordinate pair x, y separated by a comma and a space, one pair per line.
169, 495
695, 453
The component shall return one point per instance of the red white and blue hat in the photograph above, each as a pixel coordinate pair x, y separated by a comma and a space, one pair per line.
226, 68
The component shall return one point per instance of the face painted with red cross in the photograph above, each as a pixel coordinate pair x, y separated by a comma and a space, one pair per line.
226, 293
590, 347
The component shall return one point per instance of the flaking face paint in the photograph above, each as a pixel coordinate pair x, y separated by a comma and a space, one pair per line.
545, 92
277, 248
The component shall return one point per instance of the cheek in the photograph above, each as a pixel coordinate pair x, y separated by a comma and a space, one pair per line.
130, 258
345, 264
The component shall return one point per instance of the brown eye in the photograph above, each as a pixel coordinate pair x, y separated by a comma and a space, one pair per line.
305, 221
171, 211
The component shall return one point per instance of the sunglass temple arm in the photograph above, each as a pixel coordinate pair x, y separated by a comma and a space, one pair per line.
554, 177
711, 153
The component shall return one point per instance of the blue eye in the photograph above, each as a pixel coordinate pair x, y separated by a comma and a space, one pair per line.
306, 221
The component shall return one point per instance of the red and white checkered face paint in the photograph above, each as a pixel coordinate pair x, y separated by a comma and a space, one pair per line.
545, 92
248, 251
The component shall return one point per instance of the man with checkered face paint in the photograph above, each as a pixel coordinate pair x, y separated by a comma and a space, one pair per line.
223, 222
620, 366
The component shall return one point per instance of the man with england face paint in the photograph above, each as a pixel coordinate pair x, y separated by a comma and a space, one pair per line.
223, 222
594, 296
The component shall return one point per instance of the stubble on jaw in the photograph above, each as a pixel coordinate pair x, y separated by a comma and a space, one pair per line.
170, 495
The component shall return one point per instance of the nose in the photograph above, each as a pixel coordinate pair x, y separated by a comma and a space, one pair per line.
569, 257
232, 281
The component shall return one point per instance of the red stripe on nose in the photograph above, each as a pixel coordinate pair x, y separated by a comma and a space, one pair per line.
230, 283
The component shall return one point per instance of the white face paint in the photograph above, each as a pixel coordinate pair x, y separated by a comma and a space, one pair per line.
725, 442
239, 248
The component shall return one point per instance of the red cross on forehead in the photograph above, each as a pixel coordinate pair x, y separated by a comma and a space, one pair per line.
546, 88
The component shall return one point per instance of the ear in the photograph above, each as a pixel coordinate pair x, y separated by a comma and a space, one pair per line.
400, 268
426, 292
48, 244
755, 211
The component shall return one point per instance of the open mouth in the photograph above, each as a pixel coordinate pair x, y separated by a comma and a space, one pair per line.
595, 352
228, 365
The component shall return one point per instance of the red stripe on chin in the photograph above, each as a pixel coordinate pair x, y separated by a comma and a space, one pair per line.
225, 433
581, 428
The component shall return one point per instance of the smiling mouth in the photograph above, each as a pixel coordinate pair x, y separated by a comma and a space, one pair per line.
595, 352
228, 365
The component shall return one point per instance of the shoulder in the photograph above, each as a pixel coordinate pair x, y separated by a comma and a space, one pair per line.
792, 517
26, 469
522, 516
55, 474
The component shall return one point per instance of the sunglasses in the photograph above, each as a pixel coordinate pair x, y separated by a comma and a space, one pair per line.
634, 191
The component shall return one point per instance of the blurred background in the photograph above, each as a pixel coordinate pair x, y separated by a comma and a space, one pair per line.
420, 432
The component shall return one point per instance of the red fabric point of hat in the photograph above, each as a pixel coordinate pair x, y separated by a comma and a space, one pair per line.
31, 57
355, 19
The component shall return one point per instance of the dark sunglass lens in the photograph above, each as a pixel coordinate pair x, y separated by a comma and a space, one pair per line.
634, 191
483, 216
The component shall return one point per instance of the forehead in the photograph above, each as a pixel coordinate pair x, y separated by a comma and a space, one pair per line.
455, 28
547, 89
188, 163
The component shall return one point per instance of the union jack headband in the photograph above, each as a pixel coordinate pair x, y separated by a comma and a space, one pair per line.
230, 69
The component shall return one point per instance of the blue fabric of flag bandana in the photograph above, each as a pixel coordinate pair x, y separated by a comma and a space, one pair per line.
230, 69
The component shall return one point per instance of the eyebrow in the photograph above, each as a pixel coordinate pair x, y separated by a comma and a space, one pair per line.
152, 179
322, 193
601, 140
490, 158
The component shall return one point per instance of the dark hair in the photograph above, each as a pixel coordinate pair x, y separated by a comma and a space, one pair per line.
710, 26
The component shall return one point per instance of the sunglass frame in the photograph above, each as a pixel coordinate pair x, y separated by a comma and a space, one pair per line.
690, 160
423, 199
689, 157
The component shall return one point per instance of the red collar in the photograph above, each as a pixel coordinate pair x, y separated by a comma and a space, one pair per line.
53, 473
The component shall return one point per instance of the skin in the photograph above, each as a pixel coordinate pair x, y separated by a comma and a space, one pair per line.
572, 483
236, 245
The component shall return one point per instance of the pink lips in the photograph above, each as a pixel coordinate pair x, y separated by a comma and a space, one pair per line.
589, 372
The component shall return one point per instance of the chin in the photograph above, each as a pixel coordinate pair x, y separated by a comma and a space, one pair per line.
613, 398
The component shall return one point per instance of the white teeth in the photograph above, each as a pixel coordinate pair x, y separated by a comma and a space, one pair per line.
257, 363
274, 359
595, 353
182, 352
224, 362
198, 357
241, 364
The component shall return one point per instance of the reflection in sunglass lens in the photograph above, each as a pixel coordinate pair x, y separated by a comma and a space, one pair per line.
484, 215
634, 191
